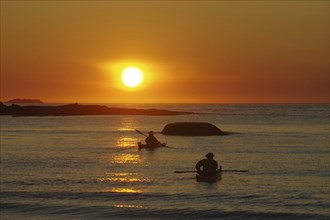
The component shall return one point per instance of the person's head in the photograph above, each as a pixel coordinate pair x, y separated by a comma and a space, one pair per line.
209, 155
151, 133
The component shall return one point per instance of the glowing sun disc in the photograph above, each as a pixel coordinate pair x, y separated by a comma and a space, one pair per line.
132, 76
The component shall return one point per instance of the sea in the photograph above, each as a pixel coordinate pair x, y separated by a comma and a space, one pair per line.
89, 167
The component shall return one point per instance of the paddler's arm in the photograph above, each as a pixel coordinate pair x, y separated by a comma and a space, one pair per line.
198, 166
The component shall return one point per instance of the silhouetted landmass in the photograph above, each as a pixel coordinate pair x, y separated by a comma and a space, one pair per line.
24, 101
75, 109
191, 129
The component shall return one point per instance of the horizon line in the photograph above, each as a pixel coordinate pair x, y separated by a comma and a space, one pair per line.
157, 103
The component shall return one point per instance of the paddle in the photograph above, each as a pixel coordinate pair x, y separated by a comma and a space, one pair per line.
194, 171
140, 132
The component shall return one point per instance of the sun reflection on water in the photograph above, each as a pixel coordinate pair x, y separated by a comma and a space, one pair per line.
120, 190
126, 142
126, 159
125, 190
127, 124
128, 206
124, 177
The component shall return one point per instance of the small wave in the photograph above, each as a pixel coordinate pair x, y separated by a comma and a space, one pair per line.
140, 212
65, 182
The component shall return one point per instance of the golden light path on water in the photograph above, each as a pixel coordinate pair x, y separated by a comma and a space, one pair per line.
128, 206
121, 190
125, 190
126, 159
126, 142
127, 124
121, 179
124, 177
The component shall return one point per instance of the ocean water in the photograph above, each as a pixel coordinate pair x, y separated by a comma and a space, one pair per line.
89, 167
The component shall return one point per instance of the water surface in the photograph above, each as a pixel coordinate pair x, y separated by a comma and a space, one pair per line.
89, 167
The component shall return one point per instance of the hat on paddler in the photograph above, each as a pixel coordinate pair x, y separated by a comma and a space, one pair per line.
209, 155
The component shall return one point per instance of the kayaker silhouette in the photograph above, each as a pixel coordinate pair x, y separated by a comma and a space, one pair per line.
151, 140
209, 165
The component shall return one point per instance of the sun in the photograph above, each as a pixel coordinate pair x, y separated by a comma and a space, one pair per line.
132, 77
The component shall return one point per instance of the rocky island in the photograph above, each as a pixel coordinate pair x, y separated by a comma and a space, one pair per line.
77, 109
31, 101
192, 129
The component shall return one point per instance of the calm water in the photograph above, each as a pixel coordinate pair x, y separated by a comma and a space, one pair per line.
88, 167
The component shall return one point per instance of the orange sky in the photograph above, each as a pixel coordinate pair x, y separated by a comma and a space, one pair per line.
190, 51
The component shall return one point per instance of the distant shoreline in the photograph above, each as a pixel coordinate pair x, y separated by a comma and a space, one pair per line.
77, 109
25, 101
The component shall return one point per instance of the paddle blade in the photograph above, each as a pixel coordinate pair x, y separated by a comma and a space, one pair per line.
234, 171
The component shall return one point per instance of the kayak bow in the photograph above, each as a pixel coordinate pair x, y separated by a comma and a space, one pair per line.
209, 179
150, 147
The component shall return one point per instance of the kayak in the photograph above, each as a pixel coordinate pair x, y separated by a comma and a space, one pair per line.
208, 179
150, 147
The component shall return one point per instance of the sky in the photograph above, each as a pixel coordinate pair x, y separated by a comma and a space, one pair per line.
189, 51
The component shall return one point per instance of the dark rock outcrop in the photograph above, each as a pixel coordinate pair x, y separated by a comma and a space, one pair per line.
75, 109
24, 101
191, 129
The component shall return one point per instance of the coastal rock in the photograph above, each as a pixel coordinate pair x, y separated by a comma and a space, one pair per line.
76, 109
191, 129
25, 101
